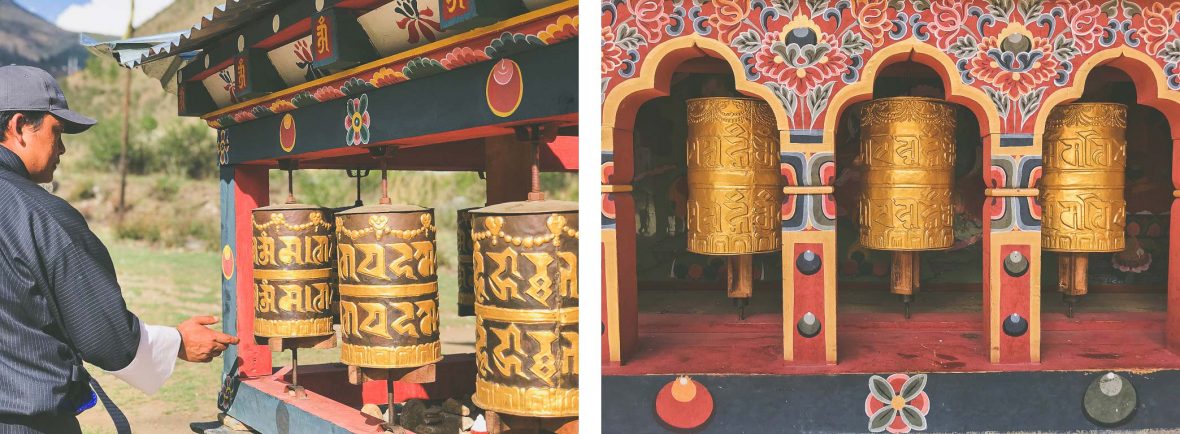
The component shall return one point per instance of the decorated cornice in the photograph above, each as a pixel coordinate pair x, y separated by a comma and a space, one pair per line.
1018, 53
540, 28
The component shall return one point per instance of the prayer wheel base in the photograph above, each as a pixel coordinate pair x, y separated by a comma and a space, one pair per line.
740, 286
1072, 278
419, 375
278, 345
500, 423
296, 391
1070, 301
905, 277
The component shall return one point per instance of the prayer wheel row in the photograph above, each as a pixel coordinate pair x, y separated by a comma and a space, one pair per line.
379, 262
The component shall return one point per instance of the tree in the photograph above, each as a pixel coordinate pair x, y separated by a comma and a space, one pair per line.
122, 206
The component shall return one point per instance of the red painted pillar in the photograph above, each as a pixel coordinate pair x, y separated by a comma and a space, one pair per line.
809, 254
1015, 289
1172, 326
619, 285
251, 189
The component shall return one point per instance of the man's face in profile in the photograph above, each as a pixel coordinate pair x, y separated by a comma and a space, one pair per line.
40, 147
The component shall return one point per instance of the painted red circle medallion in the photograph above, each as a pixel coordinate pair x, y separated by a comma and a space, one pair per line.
227, 262
505, 88
684, 403
287, 133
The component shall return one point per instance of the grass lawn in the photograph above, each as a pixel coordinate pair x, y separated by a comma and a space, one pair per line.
165, 287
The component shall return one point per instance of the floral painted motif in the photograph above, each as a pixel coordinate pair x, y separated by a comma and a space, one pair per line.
797, 65
873, 20
227, 81
565, 28
1158, 24
650, 19
463, 56
417, 20
1016, 66
223, 146
1016, 52
897, 404
612, 54
795, 58
949, 21
356, 122
729, 17
303, 52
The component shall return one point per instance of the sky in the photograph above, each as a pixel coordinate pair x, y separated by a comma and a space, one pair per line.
107, 17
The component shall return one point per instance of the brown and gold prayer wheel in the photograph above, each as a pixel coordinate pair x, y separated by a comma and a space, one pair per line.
292, 271
1085, 157
526, 308
734, 205
465, 266
388, 287
1083, 208
908, 152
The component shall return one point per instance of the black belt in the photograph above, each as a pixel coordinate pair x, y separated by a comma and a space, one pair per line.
122, 426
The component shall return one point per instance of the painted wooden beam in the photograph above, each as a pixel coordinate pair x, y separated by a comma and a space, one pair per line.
955, 402
263, 405
434, 105
467, 155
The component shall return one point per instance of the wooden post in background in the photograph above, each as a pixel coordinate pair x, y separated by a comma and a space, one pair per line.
507, 169
1172, 326
620, 294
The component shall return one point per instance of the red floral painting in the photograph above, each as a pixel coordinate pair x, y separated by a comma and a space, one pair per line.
897, 404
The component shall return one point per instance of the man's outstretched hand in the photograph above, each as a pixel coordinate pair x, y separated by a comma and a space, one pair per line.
199, 343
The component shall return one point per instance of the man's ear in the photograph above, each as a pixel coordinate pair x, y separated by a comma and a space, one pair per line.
14, 128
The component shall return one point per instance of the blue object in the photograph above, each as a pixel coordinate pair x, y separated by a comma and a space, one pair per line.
89, 404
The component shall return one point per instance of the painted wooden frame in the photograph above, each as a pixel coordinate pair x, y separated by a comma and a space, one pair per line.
526, 80
645, 40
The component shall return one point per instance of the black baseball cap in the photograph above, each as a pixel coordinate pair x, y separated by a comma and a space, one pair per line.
29, 89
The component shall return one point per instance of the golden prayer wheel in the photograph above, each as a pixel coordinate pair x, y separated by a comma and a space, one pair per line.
292, 271
465, 267
1085, 157
526, 308
388, 287
908, 152
907, 149
734, 205
1084, 211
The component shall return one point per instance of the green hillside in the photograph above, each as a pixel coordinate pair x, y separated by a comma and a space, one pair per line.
27, 39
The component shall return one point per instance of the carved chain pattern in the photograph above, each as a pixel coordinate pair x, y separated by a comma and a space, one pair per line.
556, 223
315, 219
377, 227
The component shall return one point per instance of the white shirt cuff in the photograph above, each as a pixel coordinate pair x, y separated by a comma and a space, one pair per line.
154, 359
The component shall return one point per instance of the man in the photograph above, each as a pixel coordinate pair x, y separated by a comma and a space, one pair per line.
59, 298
